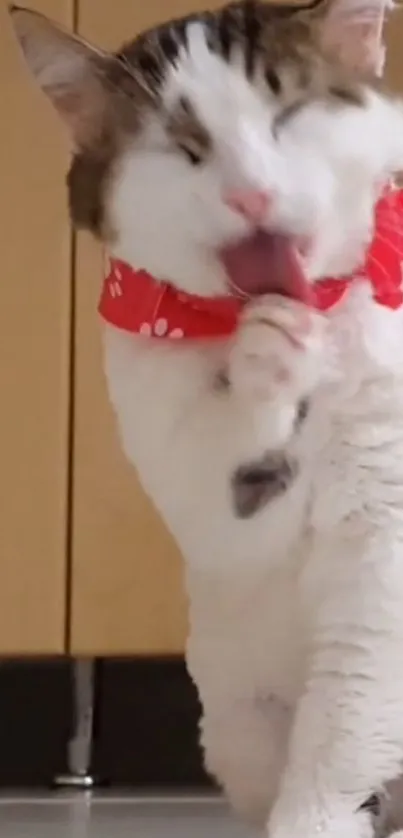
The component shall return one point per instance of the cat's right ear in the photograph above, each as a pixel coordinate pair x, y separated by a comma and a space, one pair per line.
72, 73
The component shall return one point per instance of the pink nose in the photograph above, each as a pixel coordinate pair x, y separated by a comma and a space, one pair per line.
251, 203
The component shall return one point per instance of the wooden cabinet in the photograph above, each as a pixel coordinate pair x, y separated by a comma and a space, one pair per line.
394, 65
86, 566
35, 245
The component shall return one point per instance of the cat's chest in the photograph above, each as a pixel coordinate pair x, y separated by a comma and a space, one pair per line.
185, 447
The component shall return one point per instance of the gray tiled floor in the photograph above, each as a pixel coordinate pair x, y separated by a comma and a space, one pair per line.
113, 817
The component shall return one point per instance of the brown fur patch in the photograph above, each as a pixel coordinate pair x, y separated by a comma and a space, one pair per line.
257, 484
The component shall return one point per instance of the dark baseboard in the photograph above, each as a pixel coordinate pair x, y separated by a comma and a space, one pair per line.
145, 724
35, 720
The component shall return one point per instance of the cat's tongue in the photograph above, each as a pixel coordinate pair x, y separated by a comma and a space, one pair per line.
266, 263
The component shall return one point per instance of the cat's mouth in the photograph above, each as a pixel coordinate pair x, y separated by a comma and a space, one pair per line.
266, 263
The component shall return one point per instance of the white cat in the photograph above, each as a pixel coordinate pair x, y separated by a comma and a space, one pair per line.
275, 454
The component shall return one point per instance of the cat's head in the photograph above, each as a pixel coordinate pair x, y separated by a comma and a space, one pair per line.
208, 131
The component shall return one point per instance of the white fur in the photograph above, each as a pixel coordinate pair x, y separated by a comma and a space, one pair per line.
296, 615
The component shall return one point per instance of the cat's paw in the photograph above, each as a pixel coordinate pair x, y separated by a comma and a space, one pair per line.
277, 352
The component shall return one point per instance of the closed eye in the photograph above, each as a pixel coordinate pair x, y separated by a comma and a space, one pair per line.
192, 151
287, 114
346, 95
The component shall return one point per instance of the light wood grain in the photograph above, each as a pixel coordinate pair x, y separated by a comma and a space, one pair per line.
34, 356
394, 63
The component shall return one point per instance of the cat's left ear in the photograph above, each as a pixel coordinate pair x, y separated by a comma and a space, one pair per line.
72, 73
353, 29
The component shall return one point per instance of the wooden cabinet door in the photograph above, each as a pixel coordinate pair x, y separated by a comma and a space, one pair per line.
34, 356
394, 63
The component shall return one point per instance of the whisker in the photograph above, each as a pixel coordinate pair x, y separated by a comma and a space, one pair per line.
119, 60
238, 291
394, 225
137, 77
379, 237
378, 264
394, 228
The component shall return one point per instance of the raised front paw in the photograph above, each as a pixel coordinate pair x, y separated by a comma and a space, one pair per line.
277, 352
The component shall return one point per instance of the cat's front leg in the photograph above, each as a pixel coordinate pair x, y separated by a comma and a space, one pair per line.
277, 360
347, 738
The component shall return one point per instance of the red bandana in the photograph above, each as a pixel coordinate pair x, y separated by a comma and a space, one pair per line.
134, 301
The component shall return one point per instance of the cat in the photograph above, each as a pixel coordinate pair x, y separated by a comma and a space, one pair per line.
274, 454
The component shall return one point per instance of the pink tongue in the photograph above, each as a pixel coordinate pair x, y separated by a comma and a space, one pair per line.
266, 263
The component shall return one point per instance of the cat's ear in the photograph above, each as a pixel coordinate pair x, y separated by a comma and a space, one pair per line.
353, 29
71, 72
